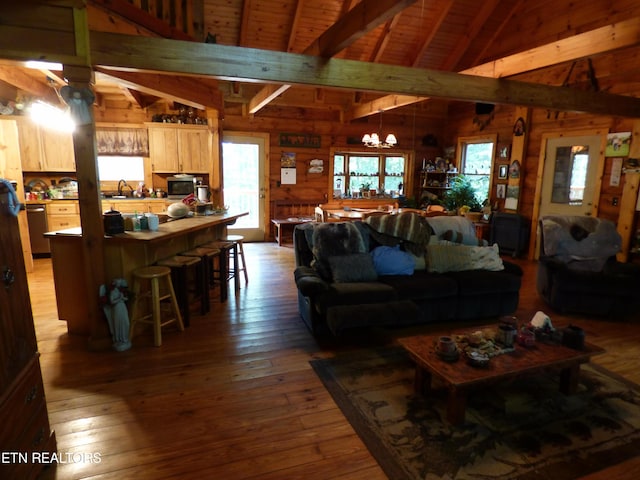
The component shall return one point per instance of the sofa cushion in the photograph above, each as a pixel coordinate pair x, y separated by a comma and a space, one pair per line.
482, 282
356, 267
450, 258
359, 293
392, 261
332, 239
421, 285
452, 227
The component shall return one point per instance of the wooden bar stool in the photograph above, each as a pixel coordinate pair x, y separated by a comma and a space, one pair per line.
153, 275
224, 272
180, 267
205, 258
239, 239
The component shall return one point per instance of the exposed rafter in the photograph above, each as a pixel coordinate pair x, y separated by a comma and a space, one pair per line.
233, 63
28, 84
429, 38
620, 35
361, 19
197, 93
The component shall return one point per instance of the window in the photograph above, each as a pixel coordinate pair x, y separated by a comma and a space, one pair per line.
475, 157
353, 172
111, 168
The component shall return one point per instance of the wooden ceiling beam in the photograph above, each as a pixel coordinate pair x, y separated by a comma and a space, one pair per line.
432, 33
360, 20
197, 93
598, 41
28, 84
125, 52
486, 10
266, 96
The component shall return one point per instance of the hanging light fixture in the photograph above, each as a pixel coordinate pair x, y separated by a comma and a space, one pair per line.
372, 140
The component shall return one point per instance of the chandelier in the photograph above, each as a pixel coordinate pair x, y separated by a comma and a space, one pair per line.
372, 140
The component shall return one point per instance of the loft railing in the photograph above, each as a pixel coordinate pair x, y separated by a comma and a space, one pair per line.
184, 15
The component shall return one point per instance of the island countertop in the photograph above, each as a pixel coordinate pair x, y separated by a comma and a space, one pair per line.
170, 229
124, 253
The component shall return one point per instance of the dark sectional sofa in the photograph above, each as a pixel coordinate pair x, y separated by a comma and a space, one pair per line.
329, 306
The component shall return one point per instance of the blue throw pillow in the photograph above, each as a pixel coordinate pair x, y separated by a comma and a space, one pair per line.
393, 261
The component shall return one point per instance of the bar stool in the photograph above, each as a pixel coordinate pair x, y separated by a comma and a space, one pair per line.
154, 274
223, 273
239, 239
205, 256
180, 267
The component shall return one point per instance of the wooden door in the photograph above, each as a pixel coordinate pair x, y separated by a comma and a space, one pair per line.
163, 149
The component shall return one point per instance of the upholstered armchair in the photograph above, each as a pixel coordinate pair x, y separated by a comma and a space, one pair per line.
578, 271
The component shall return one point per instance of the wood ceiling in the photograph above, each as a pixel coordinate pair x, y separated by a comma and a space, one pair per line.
583, 46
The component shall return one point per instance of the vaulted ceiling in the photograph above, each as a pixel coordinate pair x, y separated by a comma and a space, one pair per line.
587, 46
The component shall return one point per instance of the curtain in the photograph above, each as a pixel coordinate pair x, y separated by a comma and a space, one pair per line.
123, 141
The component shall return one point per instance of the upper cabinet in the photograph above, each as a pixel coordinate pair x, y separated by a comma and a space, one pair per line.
179, 148
45, 150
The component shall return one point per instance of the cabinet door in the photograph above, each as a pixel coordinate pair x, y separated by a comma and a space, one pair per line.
30, 150
194, 150
163, 149
57, 151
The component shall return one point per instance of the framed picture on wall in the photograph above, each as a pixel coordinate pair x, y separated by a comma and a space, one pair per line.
503, 150
503, 170
501, 190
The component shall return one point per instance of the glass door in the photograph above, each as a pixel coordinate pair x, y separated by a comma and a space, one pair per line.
243, 172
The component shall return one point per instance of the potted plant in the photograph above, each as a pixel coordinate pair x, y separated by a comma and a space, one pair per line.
461, 194
365, 189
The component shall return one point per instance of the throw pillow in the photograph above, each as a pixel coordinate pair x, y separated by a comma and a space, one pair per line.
393, 261
357, 267
445, 258
333, 239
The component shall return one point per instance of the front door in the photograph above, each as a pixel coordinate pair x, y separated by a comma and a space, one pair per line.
243, 172
570, 174
570, 177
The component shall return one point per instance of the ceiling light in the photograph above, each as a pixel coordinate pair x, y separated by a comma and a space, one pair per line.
51, 117
372, 140
39, 65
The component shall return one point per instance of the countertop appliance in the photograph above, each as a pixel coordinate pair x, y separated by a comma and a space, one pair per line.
37, 219
180, 186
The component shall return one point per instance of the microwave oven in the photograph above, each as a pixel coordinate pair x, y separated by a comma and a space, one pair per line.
180, 186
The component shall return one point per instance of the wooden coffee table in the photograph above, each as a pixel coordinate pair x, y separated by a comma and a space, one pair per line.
459, 377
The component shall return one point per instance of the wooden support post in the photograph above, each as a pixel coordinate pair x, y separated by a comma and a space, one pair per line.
629, 197
93, 255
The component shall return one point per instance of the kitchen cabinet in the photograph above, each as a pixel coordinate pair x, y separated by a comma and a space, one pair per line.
179, 148
23, 408
45, 150
132, 206
63, 214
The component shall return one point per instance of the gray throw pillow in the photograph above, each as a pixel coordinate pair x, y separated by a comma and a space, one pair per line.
356, 267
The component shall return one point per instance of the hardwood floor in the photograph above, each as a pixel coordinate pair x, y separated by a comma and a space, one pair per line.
233, 396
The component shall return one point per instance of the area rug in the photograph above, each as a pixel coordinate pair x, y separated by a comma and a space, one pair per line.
521, 429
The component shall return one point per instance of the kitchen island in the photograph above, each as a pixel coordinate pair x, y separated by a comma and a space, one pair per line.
124, 253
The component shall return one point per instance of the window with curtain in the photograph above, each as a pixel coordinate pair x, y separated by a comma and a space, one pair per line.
123, 141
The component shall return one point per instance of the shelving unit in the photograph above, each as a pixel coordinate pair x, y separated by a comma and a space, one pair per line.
436, 182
